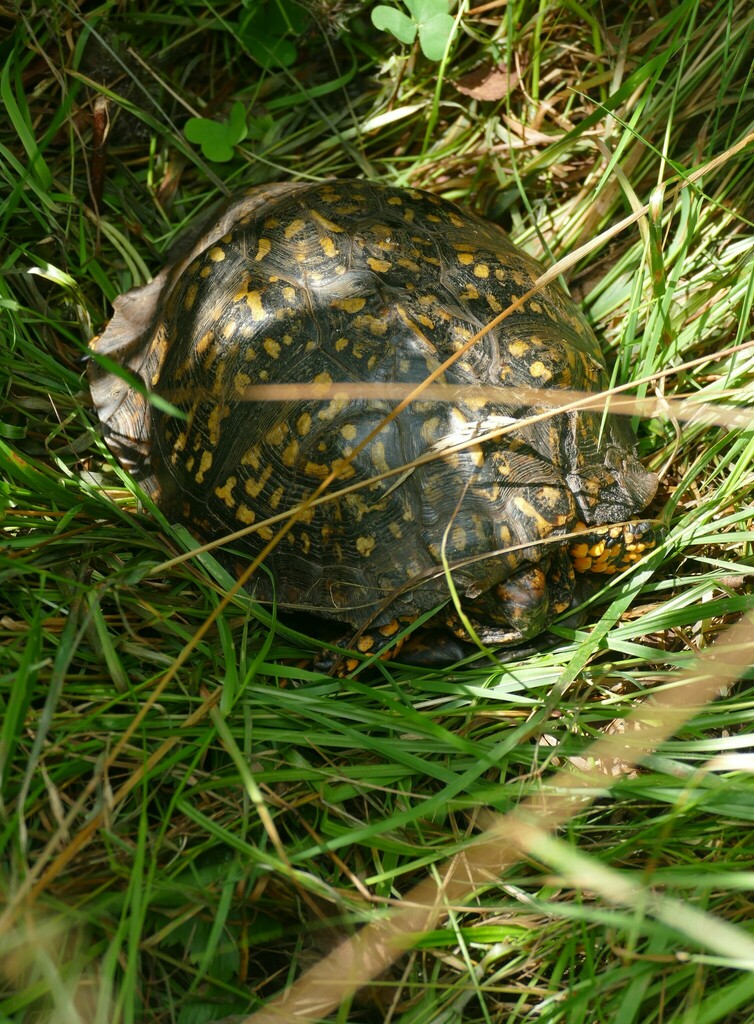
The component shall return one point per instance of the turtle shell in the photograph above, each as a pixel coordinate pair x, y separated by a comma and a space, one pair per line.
359, 283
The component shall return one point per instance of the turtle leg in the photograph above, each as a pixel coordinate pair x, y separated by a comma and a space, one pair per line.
521, 606
606, 550
376, 640
513, 611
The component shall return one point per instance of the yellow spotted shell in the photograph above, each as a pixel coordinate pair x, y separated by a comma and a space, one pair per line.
357, 282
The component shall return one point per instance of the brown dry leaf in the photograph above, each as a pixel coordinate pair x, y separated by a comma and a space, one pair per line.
488, 83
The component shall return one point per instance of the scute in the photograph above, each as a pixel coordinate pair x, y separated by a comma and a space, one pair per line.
358, 282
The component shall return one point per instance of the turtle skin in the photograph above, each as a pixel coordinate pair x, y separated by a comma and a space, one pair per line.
359, 283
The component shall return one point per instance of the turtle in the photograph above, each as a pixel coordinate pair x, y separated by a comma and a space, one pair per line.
219, 392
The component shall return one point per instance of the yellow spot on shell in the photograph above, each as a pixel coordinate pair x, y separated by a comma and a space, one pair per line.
328, 225
190, 297
294, 227
332, 409
430, 429
518, 348
343, 469
263, 247
225, 493
290, 453
476, 455
481, 270
458, 538
348, 432
159, 349
316, 469
254, 302
550, 495
352, 305
217, 254
379, 461
543, 526
466, 258
214, 422
365, 545
277, 434
540, 371
241, 382
204, 464
304, 423
411, 265
504, 535
251, 457
379, 266
254, 487
328, 247
271, 347
372, 324
245, 514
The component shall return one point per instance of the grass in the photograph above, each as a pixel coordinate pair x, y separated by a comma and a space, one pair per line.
190, 815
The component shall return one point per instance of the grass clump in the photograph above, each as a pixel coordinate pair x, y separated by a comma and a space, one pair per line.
183, 834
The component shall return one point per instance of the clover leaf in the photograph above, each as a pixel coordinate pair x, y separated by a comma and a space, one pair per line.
269, 29
427, 18
217, 138
398, 24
